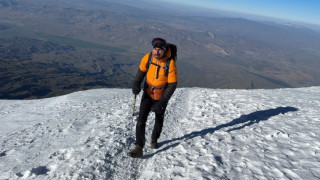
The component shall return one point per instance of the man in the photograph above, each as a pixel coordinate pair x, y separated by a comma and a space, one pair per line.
159, 86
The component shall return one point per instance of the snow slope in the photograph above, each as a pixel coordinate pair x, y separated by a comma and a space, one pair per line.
207, 134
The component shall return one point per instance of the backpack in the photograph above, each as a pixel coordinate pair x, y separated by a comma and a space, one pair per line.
173, 56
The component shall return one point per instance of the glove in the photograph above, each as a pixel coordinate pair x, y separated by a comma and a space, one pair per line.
136, 88
157, 108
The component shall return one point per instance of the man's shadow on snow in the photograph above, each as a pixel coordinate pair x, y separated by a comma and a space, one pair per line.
248, 120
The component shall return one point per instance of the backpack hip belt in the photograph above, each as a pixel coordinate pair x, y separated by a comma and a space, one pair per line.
155, 92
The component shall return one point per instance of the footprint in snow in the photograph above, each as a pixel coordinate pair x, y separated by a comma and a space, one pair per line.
62, 154
2, 154
40, 170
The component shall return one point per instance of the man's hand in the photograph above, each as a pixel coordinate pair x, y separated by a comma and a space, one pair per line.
136, 88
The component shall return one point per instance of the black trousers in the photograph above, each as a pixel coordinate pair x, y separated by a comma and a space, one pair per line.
145, 107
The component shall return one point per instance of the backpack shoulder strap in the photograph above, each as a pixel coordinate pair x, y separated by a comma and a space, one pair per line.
166, 71
167, 64
149, 61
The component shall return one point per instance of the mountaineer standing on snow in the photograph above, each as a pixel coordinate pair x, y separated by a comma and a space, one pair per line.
159, 68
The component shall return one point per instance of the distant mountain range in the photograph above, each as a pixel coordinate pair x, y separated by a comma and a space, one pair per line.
50, 48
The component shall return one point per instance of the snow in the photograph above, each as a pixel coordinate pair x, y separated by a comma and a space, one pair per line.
207, 134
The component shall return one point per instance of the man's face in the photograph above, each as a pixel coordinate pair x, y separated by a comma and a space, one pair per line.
158, 53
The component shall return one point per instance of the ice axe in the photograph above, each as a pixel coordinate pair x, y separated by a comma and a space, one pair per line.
132, 123
134, 104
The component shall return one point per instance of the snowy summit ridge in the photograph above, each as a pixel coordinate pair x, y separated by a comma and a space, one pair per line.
207, 134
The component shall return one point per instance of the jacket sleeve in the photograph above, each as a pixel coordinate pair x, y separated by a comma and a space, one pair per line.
142, 71
139, 77
173, 74
172, 84
168, 93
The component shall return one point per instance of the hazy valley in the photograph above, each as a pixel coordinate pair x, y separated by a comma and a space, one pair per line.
50, 48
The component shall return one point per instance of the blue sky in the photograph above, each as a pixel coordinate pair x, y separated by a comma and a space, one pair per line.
297, 10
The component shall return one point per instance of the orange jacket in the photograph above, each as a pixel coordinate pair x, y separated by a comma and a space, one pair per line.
152, 72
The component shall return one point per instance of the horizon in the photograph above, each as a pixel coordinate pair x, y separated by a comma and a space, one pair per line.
294, 10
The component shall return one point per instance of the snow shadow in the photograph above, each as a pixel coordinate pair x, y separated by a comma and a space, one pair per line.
243, 121
256, 117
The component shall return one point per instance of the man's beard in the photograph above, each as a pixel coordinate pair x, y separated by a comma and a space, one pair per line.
157, 56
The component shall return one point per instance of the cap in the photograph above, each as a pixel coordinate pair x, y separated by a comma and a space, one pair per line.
160, 43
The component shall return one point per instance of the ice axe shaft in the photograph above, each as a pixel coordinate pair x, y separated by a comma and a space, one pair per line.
134, 105
131, 126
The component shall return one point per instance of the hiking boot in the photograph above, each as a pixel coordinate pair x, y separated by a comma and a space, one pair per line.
136, 153
154, 145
